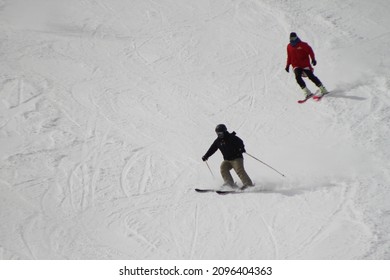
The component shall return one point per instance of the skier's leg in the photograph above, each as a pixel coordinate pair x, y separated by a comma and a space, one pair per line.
316, 81
238, 165
226, 166
313, 77
298, 76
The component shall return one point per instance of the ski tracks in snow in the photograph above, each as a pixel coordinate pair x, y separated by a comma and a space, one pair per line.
340, 218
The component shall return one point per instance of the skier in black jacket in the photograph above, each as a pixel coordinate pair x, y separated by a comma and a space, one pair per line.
232, 148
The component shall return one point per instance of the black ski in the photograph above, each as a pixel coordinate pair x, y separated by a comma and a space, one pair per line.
228, 192
222, 192
205, 190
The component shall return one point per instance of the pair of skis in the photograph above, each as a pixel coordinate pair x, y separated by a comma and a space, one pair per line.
221, 192
315, 98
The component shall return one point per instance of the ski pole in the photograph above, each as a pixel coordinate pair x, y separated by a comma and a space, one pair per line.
265, 164
209, 169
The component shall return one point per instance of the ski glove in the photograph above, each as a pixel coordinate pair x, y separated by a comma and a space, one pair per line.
204, 158
287, 68
314, 62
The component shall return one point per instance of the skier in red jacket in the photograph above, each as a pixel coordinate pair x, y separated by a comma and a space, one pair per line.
298, 55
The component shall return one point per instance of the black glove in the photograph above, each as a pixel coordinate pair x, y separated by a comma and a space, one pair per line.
242, 150
287, 68
204, 158
314, 62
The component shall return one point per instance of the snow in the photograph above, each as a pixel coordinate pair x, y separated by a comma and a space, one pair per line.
108, 106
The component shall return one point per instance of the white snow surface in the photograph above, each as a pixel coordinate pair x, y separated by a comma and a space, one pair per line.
106, 108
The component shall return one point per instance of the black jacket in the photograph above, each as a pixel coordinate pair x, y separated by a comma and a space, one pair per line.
231, 147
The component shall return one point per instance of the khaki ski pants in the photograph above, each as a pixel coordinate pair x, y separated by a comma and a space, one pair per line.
238, 166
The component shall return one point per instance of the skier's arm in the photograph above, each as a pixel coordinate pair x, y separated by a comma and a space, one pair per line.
288, 63
240, 145
213, 148
311, 54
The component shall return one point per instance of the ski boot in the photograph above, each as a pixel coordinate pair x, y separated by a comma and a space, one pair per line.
307, 92
228, 186
245, 186
322, 92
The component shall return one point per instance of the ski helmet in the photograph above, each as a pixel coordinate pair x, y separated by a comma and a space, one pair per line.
293, 36
221, 128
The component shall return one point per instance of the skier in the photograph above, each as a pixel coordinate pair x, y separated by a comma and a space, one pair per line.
298, 54
232, 148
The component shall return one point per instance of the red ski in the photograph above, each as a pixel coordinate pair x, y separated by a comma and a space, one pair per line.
318, 98
307, 98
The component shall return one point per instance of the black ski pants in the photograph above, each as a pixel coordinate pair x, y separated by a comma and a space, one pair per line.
298, 76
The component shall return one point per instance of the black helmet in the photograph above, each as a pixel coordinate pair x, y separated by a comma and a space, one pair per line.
293, 36
221, 128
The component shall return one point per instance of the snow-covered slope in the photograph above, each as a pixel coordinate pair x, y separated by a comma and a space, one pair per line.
108, 106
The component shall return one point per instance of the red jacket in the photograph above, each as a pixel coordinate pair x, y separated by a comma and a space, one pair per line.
298, 56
